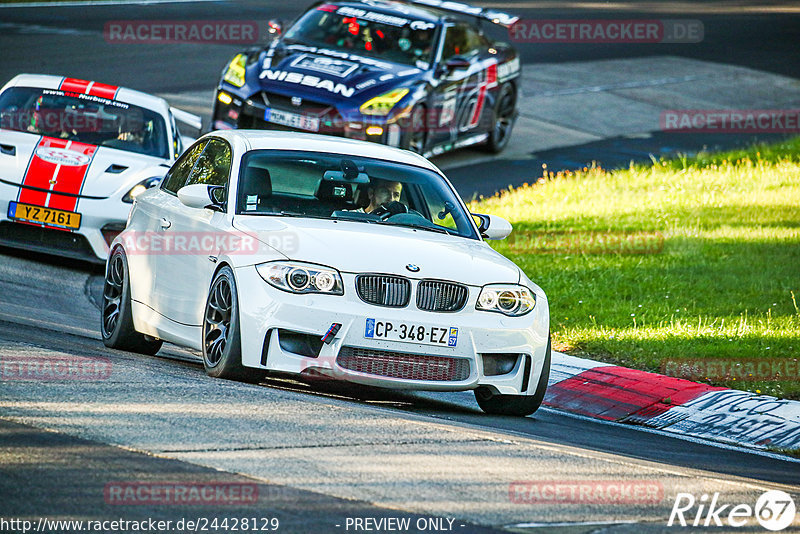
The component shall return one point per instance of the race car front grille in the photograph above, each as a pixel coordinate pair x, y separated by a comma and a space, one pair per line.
434, 295
403, 365
306, 106
252, 114
384, 290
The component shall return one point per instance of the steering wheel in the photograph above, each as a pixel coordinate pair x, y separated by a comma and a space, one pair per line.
388, 209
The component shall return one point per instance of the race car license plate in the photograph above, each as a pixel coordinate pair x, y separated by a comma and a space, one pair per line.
293, 120
438, 336
39, 214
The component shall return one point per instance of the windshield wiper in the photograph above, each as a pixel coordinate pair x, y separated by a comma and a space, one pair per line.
437, 229
287, 214
355, 216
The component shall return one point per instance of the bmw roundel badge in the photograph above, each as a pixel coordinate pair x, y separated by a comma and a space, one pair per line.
413, 268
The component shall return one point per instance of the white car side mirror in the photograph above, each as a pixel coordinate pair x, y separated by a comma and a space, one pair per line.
201, 196
493, 227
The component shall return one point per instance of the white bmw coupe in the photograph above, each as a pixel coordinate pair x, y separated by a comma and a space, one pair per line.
311, 255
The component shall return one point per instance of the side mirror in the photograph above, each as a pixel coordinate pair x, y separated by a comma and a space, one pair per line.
203, 196
492, 226
457, 63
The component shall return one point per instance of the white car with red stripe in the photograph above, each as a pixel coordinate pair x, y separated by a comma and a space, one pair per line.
73, 156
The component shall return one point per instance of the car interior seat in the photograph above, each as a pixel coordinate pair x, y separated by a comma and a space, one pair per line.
257, 188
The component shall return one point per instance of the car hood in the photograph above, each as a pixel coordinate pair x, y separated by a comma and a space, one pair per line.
318, 75
102, 173
357, 247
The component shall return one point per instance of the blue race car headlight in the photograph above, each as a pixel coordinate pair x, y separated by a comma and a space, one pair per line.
234, 74
297, 277
381, 105
509, 299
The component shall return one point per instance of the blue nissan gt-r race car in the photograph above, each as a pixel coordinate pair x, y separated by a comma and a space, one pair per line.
418, 74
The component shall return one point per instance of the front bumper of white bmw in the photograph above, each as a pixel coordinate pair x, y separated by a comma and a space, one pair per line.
282, 331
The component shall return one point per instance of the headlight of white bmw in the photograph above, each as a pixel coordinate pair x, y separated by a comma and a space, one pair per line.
509, 299
297, 277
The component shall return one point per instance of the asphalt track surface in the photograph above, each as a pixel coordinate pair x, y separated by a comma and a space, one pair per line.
54, 464
49, 307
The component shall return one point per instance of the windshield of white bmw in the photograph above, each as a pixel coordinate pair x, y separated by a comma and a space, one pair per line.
84, 119
371, 33
332, 186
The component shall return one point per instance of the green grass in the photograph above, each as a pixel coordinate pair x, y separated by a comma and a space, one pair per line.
725, 286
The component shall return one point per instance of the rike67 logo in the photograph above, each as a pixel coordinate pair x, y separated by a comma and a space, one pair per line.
774, 510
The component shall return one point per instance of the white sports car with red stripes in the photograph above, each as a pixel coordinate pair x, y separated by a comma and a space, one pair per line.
73, 156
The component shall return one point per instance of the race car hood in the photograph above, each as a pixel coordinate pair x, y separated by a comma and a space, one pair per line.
358, 247
318, 75
84, 169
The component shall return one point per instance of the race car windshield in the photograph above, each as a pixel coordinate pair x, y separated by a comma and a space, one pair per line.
331, 186
358, 31
85, 119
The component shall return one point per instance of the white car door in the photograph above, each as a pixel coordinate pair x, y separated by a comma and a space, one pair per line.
160, 211
194, 237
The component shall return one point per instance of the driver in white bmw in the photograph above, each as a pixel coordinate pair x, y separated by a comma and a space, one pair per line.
383, 192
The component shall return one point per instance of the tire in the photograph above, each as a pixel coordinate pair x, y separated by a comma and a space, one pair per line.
519, 405
222, 342
116, 324
417, 135
505, 115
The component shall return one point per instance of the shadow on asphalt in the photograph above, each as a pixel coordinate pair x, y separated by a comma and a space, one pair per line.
53, 260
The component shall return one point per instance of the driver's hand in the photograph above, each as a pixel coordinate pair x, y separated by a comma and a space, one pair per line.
391, 208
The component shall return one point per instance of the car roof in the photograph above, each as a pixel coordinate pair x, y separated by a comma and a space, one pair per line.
400, 9
278, 140
122, 94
